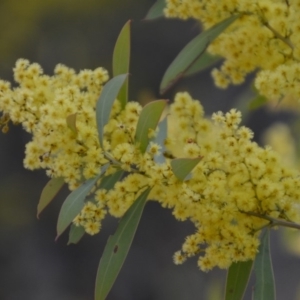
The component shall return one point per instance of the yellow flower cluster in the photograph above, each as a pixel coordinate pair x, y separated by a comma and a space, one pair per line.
230, 196
266, 38
42, 105
234, 179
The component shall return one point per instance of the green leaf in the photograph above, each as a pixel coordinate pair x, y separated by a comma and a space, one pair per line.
191, 53
182, 167
50, 190
117, 247
237, 279
264, 288
148, 119
105, 102
109, 181
75, 202
160, 140
71, 122
156, 11
75, 234
257, 102
121, 60
203, 62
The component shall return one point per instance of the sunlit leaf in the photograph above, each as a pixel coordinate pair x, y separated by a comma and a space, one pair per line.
257, 102
191, 53
237, 280
117, 247
182, 167
203, 62
75, 234
121, 60
264, 288
105, 102
148, 120
50, 190
156, 11
71, 122
75, 202
160, 140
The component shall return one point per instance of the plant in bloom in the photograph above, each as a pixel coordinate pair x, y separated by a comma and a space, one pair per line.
265, 39
235, 190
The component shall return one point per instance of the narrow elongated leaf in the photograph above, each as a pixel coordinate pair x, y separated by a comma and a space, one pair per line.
257, 102
191, 52
75, 202
148, 120
75, 234
109, 181
105, 102
117, 247
160, 140
50, 190
71, 122
182, 167
264, 288
156, 11
237, 280
203, 62
121, 60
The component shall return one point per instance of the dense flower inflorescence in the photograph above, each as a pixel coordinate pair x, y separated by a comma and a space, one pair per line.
233, 192
265, 38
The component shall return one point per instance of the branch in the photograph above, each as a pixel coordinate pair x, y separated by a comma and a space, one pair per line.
273, 221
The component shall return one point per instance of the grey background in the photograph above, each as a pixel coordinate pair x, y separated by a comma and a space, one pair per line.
35, 267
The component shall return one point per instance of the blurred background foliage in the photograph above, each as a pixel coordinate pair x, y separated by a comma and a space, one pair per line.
81, 34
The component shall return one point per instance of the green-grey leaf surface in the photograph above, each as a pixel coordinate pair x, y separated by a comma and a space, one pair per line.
191, 52
109, 181
50, 190
264, 288
160, 140
148, 119
117, 247
182, 167
75, 234
121, 61
156, 10
105, 102
71, 122
237, 279
75, 202
257, 102
203, 62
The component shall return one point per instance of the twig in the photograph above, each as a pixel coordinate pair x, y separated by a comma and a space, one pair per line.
273, 221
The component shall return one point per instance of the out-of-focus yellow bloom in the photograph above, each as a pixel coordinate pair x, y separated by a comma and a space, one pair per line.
265, 38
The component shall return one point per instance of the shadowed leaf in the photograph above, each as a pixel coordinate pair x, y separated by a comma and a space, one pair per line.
156, 11
182, 167
109, 181
105, 102
264, 288
191, 53
117, 247
237, 279
160, 140
121, 61
75, 234
203, 62
257, 102
71, 122
148, 120
75, 202
50, 190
